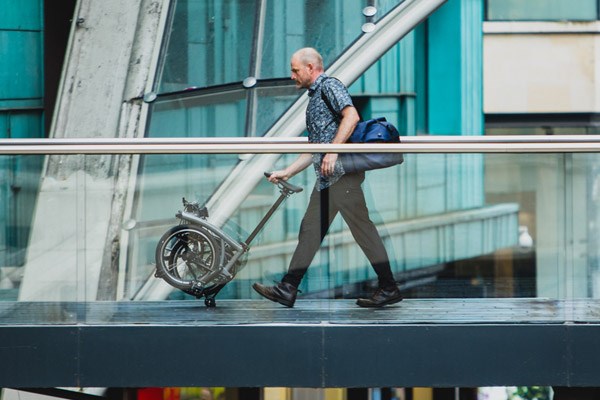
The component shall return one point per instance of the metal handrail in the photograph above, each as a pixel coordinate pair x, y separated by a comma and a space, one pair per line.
263, 145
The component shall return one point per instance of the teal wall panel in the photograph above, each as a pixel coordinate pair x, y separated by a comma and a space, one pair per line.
405, 82
472, 67
21, 116
455, 82
4, 207
444, 95
391, 85
455, 88
21, 15
384, 185
430, 189
455, 183
542, 10
408, 112
421, 73
22, 125
21, 47
4, 130
287, 36
21, 69
392, 73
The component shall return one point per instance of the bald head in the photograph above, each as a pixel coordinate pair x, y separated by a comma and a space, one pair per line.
308, 55
306, 66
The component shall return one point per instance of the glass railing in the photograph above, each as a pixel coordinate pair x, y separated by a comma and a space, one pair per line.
514, 221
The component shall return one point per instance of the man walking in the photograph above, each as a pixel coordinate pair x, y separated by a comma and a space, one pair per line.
334, 190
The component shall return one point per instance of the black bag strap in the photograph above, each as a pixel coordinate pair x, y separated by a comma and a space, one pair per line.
328, 102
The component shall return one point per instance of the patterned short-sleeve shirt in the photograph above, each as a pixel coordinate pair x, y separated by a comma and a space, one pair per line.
322, 125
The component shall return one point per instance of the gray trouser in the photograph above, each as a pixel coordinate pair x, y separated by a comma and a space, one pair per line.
345, 196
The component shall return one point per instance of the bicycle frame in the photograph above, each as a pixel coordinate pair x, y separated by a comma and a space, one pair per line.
230, 250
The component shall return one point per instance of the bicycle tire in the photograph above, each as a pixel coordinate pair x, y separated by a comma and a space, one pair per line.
185, 254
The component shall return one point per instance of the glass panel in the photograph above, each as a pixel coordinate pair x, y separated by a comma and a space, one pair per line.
164, 181
210, 43
19, 178
284, 29
218, 114
55, 235
223, 114
541, 10
270, 105
444, 240
217, 42
454, 226
327, 25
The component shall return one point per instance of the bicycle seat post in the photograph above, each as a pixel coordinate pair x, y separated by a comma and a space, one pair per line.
285, 190
267, 216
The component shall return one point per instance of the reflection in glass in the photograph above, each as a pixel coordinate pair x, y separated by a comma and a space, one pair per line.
270, 104
278, 29
188, 115
214, 42
19, 179
210, 43
444, 240
446, 236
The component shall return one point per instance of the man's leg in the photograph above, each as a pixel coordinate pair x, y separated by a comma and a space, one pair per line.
313, 229
354, 210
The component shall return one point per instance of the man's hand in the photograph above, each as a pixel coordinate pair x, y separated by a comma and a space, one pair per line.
277, 175
347, 124
328, 164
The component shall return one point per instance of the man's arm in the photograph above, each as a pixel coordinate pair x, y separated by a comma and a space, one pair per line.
347, 124
301, 163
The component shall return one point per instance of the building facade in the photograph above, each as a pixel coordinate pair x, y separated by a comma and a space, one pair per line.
82, 229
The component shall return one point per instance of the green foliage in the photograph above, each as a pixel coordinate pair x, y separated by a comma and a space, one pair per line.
530, 393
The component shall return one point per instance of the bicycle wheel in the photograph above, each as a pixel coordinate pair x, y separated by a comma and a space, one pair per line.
185, 254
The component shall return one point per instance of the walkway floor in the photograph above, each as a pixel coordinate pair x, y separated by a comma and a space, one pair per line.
260, 312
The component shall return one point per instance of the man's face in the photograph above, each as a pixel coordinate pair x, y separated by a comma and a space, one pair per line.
301, 73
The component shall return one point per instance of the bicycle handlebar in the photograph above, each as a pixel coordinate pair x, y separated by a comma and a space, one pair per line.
284, 184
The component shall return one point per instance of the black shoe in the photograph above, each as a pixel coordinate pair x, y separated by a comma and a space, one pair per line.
381, 298
283, 293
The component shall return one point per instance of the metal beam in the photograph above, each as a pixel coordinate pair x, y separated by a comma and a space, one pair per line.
311, 355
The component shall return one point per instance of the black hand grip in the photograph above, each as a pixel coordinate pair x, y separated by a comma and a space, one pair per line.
285, 184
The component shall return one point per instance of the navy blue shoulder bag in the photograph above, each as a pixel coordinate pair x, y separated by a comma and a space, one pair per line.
376, 130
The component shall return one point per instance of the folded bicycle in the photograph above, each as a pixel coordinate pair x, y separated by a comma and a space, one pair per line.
200, 258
